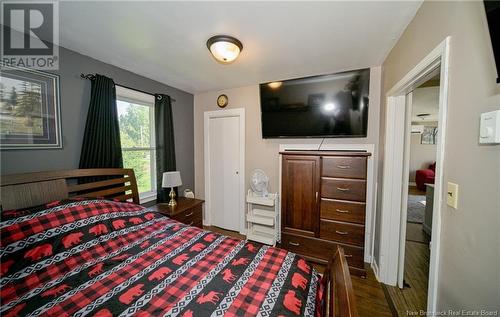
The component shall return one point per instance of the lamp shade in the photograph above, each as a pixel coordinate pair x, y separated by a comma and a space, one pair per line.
171, 179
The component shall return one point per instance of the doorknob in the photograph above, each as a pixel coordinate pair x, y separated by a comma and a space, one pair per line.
237, 172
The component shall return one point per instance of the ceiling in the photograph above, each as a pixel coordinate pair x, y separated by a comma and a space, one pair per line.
165, 41
425, 100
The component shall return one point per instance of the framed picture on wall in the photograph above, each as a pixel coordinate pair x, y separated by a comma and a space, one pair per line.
429, 135
30, 114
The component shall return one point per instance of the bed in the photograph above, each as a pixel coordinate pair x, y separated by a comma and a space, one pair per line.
89, 249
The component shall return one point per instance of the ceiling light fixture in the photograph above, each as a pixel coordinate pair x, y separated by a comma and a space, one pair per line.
224, 48
275, 84
423, 115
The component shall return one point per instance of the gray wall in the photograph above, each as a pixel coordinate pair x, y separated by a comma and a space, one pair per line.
75, 96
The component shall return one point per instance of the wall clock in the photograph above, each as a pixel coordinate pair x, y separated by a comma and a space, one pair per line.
222, 101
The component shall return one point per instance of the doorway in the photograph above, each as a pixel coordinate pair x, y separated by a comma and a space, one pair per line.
422, 125
394, 198
224, 168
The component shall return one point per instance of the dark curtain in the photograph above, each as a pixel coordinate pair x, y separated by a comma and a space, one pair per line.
165, 147
101, 146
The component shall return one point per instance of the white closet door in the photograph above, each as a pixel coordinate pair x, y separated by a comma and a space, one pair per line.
224, 141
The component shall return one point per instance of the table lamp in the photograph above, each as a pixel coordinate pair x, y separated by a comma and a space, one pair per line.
171, 179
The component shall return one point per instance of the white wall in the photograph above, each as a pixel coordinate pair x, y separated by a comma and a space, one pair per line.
421, 155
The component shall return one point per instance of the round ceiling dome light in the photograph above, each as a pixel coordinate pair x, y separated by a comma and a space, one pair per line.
275, 84
224, 48
423, 115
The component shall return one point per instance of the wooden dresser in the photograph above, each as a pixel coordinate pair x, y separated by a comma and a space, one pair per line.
323, 204
188, 211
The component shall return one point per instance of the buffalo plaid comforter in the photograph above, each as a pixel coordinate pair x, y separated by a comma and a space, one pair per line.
105, 258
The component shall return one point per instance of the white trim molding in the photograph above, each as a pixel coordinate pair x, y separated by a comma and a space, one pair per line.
394, 165
375, 269
240, 113
134, 96
328, 145
142, 99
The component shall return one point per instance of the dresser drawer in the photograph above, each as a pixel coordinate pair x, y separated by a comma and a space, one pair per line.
321, 249
346, 189
344, 166
348, 211
342, 232
192, 217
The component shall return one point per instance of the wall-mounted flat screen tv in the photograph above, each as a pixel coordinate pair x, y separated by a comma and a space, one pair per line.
493, 16
333, 106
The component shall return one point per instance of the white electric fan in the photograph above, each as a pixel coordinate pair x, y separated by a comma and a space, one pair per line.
259, 183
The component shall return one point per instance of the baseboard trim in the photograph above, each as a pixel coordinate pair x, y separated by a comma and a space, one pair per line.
374, 267
390, 302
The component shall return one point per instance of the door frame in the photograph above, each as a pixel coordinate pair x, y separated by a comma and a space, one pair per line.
404, 188
239, 113
393, 167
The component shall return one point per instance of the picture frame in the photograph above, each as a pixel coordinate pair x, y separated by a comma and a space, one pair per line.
30, 114
429, 135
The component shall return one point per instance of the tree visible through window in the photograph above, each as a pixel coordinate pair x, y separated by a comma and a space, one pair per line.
137, 138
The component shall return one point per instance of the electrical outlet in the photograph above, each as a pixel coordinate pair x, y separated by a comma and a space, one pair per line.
452, 195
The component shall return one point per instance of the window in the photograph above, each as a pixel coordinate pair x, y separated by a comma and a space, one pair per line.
137, 134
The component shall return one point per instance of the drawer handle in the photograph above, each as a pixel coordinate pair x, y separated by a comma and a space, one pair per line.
191, 223
348, 255
190, 214
294, 243
341, 232
344, 166
342, 189
342, 211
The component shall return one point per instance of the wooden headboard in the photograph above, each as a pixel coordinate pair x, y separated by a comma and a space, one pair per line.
32, 189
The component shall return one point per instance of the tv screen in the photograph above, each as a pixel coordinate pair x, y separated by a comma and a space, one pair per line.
333, 105
493, 16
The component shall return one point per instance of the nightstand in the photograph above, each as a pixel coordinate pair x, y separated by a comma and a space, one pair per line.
188, 211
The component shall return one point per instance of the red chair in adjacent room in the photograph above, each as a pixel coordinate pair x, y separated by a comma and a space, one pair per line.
425, 176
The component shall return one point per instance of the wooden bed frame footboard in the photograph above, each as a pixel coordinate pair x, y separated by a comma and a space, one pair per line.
32, 189
338, 293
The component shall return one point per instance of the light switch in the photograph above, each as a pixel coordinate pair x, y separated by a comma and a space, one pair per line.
489, 130
452, 195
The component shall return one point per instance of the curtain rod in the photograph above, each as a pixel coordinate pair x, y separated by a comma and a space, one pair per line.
91, 77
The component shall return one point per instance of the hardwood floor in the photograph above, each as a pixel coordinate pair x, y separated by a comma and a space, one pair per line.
413, 297
413, 190
225, 232
370, 297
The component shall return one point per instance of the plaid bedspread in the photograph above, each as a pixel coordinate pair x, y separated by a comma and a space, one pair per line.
105, 258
